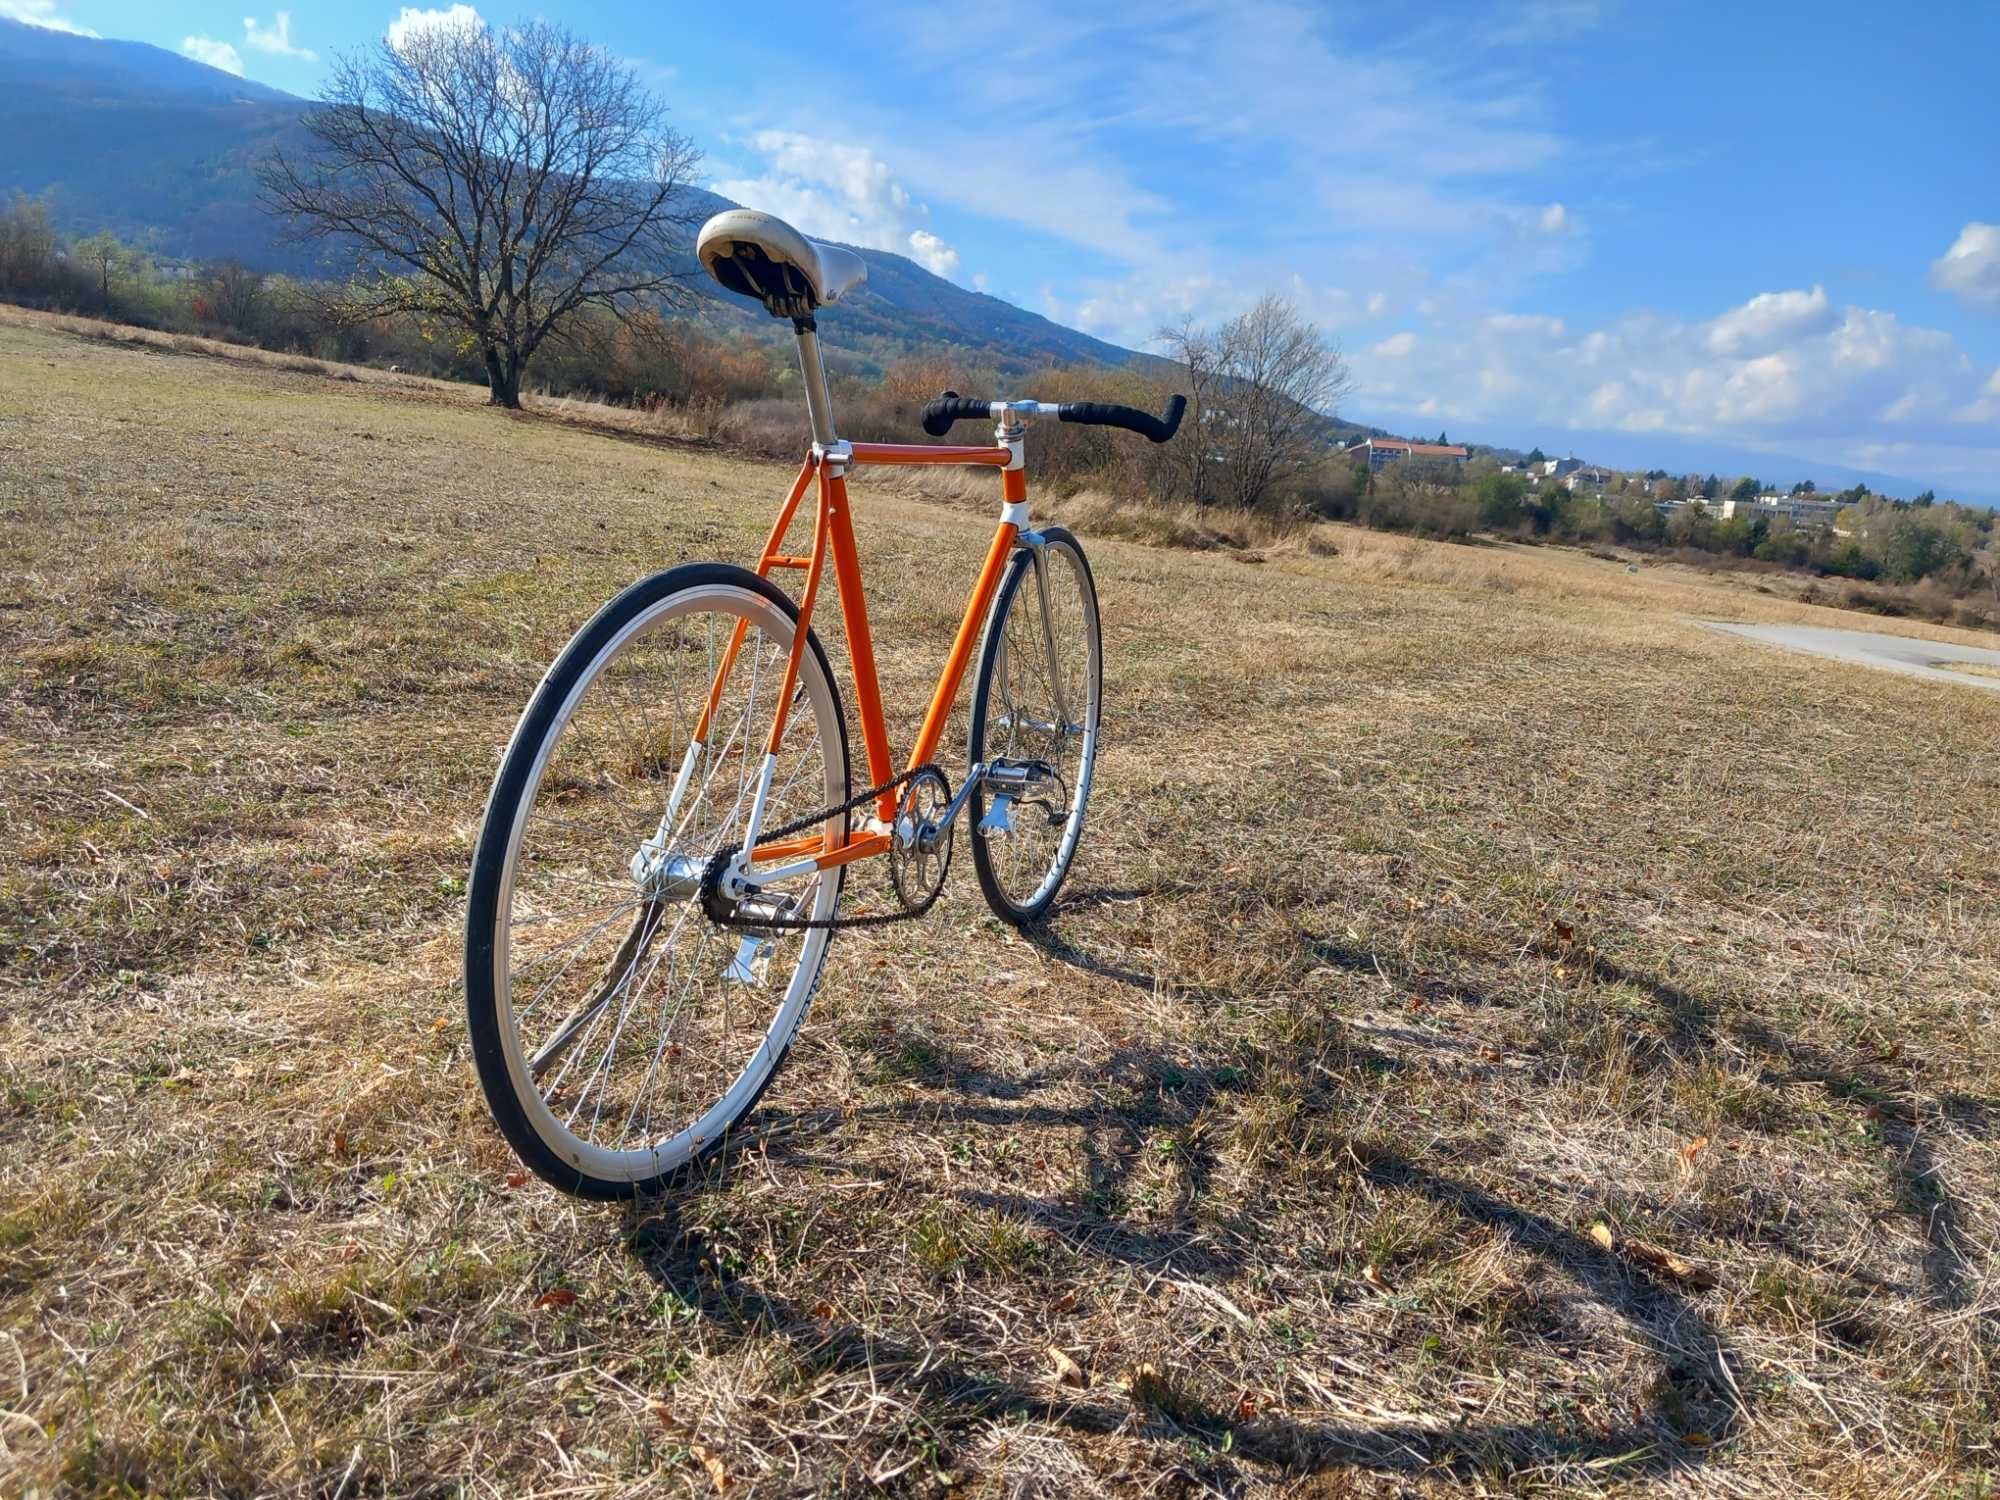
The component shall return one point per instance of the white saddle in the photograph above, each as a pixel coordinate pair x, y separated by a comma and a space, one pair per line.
759, 255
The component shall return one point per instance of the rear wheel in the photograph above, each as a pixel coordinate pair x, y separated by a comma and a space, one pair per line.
1035, 709
618, 1033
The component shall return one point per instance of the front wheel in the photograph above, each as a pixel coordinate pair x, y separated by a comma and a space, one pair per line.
1035, 709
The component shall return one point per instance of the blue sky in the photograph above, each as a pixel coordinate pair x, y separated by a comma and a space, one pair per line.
1767, 232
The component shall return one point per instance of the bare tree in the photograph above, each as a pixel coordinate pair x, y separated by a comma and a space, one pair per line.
499, 180
1283, 379
1259, 387
105, 258
1196, 351
232, 294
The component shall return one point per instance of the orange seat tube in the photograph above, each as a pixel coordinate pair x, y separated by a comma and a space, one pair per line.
860, 645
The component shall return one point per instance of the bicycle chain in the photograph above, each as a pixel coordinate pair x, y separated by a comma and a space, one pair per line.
722, 911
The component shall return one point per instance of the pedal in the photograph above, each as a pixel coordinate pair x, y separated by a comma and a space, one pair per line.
999, 819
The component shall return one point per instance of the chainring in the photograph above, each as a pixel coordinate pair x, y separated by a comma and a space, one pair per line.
917, 868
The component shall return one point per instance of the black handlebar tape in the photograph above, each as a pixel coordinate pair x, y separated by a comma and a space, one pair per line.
952, 407
1104, 414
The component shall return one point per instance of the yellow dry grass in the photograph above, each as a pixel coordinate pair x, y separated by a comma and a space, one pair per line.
1439, 906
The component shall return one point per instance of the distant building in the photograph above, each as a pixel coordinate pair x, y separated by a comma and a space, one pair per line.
1800, 510
1586, 479
1557, 468
1381, 451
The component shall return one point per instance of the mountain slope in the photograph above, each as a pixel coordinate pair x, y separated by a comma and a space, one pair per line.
163, 151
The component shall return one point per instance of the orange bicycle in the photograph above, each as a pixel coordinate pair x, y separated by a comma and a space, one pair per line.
660, 869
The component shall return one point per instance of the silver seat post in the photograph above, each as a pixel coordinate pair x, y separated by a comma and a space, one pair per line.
819, 404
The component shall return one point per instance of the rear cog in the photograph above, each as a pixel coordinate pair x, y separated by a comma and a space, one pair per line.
920, 852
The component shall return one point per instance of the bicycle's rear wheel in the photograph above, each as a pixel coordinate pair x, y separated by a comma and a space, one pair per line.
619, 1035
1036, 701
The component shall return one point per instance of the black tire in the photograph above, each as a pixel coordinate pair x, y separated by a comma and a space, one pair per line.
1059, 546
487, 886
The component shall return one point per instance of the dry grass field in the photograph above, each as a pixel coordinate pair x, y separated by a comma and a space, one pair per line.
1499, 1037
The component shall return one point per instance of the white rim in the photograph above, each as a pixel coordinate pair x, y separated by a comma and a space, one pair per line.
1087, 755
640, 1164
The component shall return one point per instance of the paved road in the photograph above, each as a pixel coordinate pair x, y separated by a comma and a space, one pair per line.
1892, 653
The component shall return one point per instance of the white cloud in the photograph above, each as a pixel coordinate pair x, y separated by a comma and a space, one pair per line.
1970, 269
1539, 22
932, 253
1396, 345
1526, 323
413, 21
1134, 310
1770, 320
1790, 372
216, 54
1986, 408
42, 13
275, 38
1435, 139
840, 192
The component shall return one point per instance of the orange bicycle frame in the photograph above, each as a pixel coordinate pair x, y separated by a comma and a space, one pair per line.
825, 469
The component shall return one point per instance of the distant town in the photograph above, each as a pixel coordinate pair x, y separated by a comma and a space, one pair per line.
1802, 506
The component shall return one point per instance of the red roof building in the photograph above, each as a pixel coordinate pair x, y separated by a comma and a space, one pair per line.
1380, 451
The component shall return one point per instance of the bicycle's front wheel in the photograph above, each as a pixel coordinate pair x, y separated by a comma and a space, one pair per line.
1035, 707
618, 1033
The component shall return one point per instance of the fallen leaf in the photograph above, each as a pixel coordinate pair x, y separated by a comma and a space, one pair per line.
1372, 1274
660, 1411
1601, 1232
1068, 1371
1246, 1407
1691, 1150
1671, 1265
1491, 1054
340, 1147
1063, 1303
822, 1310
1564, 931
718, 1471
1697, 1439
438, 1026
517, 1179
1146, 1385
558, 1296
350, 1251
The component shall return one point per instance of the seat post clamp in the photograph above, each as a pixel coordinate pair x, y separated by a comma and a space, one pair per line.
838, 456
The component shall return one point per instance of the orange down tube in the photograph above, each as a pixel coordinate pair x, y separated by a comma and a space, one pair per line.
961, 648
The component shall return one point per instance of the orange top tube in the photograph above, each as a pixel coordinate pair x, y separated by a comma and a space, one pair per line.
926, 453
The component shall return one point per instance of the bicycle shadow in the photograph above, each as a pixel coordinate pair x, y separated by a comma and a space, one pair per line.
1138, 1093
1141, 1093
956, 1393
